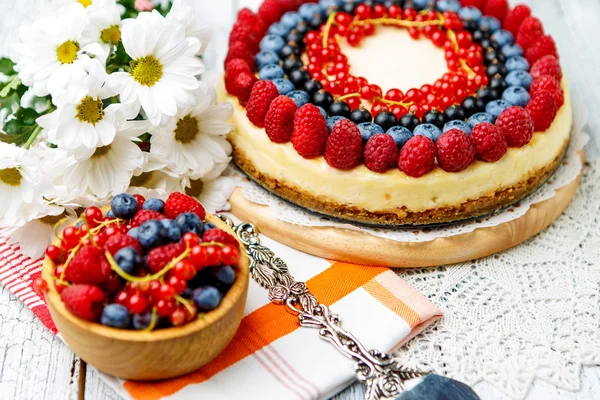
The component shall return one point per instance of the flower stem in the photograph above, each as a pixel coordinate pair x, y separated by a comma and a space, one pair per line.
33, 136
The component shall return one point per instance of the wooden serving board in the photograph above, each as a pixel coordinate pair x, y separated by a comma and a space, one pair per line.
363, 248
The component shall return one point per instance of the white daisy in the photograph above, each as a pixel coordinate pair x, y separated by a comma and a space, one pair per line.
212, 190
183, 12
80, 122
110, 168
164, 67
62, 4
155, 178
50, 52
195, 139
104, 26
20, 184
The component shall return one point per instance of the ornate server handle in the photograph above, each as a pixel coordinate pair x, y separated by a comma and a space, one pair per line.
383, 376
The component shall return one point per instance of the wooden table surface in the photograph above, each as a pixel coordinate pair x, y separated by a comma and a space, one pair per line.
36, 365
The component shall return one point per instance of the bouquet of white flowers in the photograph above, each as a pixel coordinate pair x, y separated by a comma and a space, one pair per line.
101, 99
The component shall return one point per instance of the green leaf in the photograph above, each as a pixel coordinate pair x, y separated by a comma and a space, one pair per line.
7, 66
11, 84
27, 116
12, 127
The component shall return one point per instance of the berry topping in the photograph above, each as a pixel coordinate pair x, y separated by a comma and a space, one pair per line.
85, 301
115, 316
159, 257
310, 132
242, 87
233, 69
189, 222
178, 203
497, 8
88, 266
549, 84
516, 95
428, 130
400, 134
417, 156
344, 146
515, 18
124, 206
146, 215
454, 151
154, 204
368, 129
263, 93
542, 109
543, 46
151, 234
547, 65
279, 120
530, 30
480, 4
517, 126
129, 259
120, 241
381, 152
489, 142
207, 298
240, 49
219, 236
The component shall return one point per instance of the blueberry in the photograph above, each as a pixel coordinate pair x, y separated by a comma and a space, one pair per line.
279, 29
207, 298
331, 121
172, 230
422, 4
448, 5
116, 316
519, 78
368, 129
128, 259
400, 134
142, 321
190, 222
503, 37
207, 226
327, 4
300, 97
109, 214
458, 124
489, 24
124, 206
154, 204
495, 108
517, 63
272, 43
187, 293
323, 112
265, 58
134, 233
517, 96
512, 50
478, 118
150, 234
225, 275
308, 10
271, 72
428, 130
470, 13
290, 19
284, 86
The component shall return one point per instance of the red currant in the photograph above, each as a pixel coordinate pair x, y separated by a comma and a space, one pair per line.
70, 237
394, 95
378, 10
113, 284
58, 270
40, 286
362, 11
190, 239
138, 304
213, 255
230, 255
369, 29
177, 317
165, 292
164, 308
54, 253
59, 286
178, 285
394, 11
343, 19
93, 216
184, 270
122, 298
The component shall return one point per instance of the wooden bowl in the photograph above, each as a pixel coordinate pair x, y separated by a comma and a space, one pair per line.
160, 354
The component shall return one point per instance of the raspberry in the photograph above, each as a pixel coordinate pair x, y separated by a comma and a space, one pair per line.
517, 126
85, 301
454, 151
515, 18
547, 65
159, 257
489, 142
88, 266
241, 32
279, 121
239, 49
310, 132
551, 85
417, 156
179, 203
120, 241
261, 96
529, 31
219, 236
242, 87
145, 215
542, 109
233, 69
543, 46
247, 17
270, 11
381, 152
344, 145
497, 8
474, 3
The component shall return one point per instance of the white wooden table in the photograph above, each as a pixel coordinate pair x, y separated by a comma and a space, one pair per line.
36, 365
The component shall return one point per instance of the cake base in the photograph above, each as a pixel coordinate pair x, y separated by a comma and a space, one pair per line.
363, 248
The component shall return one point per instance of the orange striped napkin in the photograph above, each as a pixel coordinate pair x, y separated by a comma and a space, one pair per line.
271, 357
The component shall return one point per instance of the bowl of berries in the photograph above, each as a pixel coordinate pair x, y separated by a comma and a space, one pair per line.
146, 289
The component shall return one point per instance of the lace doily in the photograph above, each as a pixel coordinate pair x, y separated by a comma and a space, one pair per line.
530, 312
566, 173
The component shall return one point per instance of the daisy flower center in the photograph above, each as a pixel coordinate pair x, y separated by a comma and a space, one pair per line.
195, 188
67, 52
101, 151
11, 176
52, 219
141, 180
85, 3
187, 129
111, 34
146, 70
90, 110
